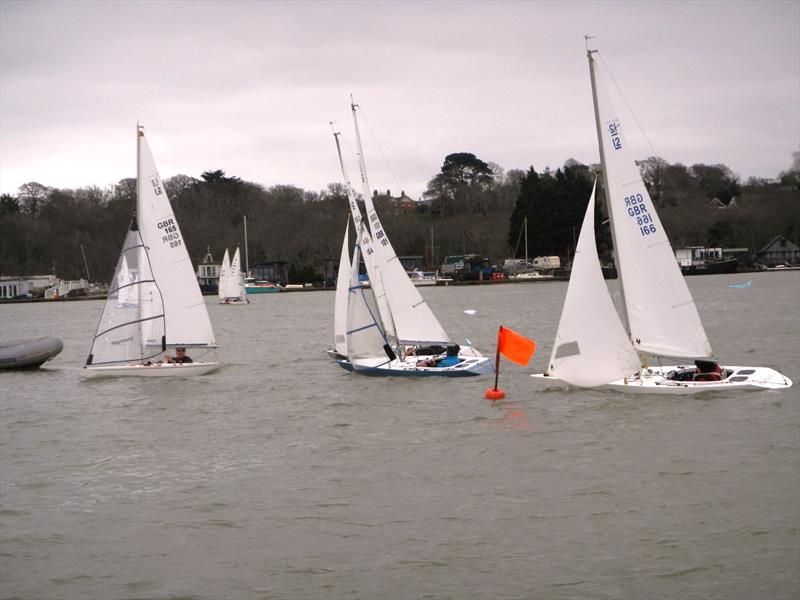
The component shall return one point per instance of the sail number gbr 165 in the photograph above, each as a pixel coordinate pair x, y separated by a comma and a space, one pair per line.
638, 211
169, 233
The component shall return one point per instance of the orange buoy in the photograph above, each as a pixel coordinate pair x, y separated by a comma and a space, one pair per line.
494, 394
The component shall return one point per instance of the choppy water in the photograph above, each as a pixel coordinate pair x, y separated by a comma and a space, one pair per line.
283, 476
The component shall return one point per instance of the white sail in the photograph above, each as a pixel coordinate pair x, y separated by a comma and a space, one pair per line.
365, 339
224, 276
661, 313
591, 346
340, 304
236, 283
364, 240
133, 311
124, 278
414, 321
187, 321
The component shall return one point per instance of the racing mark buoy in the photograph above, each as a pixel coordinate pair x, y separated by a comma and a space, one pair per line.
494, 393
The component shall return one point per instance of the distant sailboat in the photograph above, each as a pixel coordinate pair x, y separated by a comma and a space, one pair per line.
231, 280
155, 304
592, 346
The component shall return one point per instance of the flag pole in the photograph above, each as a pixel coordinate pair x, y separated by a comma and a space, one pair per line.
495, 393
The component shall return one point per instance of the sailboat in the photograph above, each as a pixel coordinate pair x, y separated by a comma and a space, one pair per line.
528, 274
404, 337
593, 346
231, 280
251, 285
155, 304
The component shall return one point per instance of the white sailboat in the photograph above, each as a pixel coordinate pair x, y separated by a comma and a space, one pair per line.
528, 273
231, 280
162, 307
411, 340
592, 346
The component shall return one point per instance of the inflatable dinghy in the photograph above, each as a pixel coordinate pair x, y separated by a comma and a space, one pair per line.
28, 354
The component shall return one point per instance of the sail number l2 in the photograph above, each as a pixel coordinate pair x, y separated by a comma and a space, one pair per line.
638, 211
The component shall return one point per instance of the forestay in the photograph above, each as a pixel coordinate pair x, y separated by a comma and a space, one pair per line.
591, 346
661, 313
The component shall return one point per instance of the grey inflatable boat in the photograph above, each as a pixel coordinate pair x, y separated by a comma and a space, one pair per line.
28, 354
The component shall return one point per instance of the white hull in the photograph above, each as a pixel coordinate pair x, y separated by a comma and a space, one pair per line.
155, 370
655, 381
470, 366
534, 276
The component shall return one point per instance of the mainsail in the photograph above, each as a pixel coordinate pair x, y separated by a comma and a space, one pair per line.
662, 317
414, 321
187, 321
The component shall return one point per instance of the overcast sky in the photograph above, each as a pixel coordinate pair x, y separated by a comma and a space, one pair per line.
250, 87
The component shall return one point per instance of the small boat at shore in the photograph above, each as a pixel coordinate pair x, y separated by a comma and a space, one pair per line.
28, 354
252, 286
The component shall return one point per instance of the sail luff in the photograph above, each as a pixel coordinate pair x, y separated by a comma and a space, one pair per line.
607, 195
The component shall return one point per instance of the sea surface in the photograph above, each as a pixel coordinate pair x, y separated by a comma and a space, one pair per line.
283, 476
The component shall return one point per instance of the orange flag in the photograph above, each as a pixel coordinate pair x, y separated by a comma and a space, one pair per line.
515, 347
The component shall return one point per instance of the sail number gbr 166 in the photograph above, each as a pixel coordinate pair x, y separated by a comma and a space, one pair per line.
638, 211
169, 233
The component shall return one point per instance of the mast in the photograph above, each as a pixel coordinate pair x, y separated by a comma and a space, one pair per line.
607, 193
362, 165
246, 260
526, 242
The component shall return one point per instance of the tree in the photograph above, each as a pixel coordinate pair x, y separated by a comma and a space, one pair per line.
653, 170
9, 205
553, 204
461, 184
30, 196
218, 176
716, 181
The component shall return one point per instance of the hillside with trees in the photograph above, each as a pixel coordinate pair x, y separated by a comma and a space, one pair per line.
470, 206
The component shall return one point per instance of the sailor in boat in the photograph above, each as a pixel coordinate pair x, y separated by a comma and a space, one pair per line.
451, 358
180, 356
707, 370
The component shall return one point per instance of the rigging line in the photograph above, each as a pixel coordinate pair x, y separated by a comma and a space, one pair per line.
624, 99
374, 139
